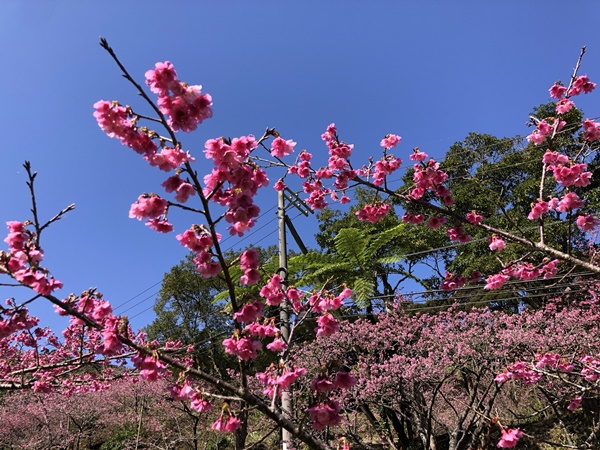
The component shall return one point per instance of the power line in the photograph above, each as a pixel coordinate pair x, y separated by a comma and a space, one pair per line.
150, 307
254, 231
515, 140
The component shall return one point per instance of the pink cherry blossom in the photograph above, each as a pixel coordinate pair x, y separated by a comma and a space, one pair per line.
272, 292
278, 345
344, 380
538, 210
390, 141
198, 403
574, 404
162, 78
581, 84
413, 219
289, 377
591, 130
496, 281
574, 175
244, 348
384, 167
148, 207
458, 234
569, 202
373, 213
281, 147
322, 384
160, 225
564, 106
550, 269
510, 437
226, 426
186, 106
557, 91
262, 331
496, 243
249, 312
325, 415
587, 222
554, 158
452, 282
418, 155
327, 325
436, 221
474, 218
279, 185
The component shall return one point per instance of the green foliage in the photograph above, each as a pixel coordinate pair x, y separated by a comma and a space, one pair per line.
361, 255
500, 179
186, 310
120, 437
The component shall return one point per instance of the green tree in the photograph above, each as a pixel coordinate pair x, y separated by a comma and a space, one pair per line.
186, 310
500, 179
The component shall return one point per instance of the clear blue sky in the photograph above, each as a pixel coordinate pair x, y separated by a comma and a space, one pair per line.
428, 71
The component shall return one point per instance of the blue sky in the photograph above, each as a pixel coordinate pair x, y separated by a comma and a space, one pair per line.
428, 71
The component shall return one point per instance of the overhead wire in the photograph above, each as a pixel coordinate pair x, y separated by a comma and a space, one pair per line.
254, 231
414, 308
150, 307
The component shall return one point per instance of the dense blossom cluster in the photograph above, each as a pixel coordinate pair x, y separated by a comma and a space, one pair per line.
449, 356
199, 241
186, 106
22, 262
234, 182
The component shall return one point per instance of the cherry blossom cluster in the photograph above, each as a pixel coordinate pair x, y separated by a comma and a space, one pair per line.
22, 261
544, 130
338, 168
153, 208
118, 122
92, 305
587, 368
373, 212
226, 423
428, 177
569, 175
447, 356
14, 319
452, 281
187, 393
183, 189
249, 263
522, 271
278, 378
121, 123
234, 181
245, 343
326, 414
149, 367
36, 357
510, 437
186, 106
244, 348
199, 241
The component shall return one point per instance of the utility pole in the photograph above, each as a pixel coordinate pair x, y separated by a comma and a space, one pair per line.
284, 314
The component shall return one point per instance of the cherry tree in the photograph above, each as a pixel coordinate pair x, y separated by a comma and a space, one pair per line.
223, 201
